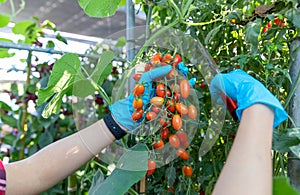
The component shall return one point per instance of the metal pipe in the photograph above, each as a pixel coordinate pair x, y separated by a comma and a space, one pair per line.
130, 40
294, 109
19, 46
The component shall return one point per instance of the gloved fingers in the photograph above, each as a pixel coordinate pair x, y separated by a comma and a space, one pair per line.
155, 73
183, 69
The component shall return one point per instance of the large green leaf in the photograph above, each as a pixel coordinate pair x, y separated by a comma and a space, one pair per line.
293, 15
281, 186
131, 168
4, 20
86, 86
61, 80
252, 34
283, 141
67, 79
2, 1
21, 27
99, 9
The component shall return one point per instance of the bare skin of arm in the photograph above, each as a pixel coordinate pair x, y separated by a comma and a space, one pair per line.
248, 168
56, 161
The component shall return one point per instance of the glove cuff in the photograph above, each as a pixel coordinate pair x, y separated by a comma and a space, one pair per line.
113, 126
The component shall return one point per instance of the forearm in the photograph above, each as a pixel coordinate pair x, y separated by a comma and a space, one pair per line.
56, 161
248, 169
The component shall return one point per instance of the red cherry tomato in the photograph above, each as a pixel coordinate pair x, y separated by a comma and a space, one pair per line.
148, 67
182, 136
160, 90
184, 88
174, 141
187, 170
136, 115
169, 94
181, 108
138, 90
202, 85
150, 115
167, 58
137, 77
177, 59
176, 97
172, 74
155, 59
151, 167
277, 21
158, 144
176, 122
164, 133
171, 105
163, 122
156, 109
157, 101
137, 103
192, 113
183, 154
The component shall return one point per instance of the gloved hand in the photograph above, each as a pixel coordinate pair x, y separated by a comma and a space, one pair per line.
246, 90
123, 109
184, 70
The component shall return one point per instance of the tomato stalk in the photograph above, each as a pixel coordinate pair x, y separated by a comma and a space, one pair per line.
292, 92
23, 123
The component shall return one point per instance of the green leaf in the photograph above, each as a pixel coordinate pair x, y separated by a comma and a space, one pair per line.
4, 106
4, 20
61, 80
122, 3
252, 33
10, 120
171, 175
281, 186
67, 79
21, 27
3, 51
62, 39
45, 139
83, 88
283, 141
50, 44
99, 9
212, 34
2, 1
121, 42
294, 16
296, 150
103, 67
131, 168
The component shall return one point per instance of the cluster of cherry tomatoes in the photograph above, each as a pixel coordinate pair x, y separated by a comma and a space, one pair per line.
169, 109
277, 21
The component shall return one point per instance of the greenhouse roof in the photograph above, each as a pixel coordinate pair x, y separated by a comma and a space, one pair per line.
69, 17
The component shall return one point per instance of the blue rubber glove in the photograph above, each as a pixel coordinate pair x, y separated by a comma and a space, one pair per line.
122, 110
246, 90
184, 70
